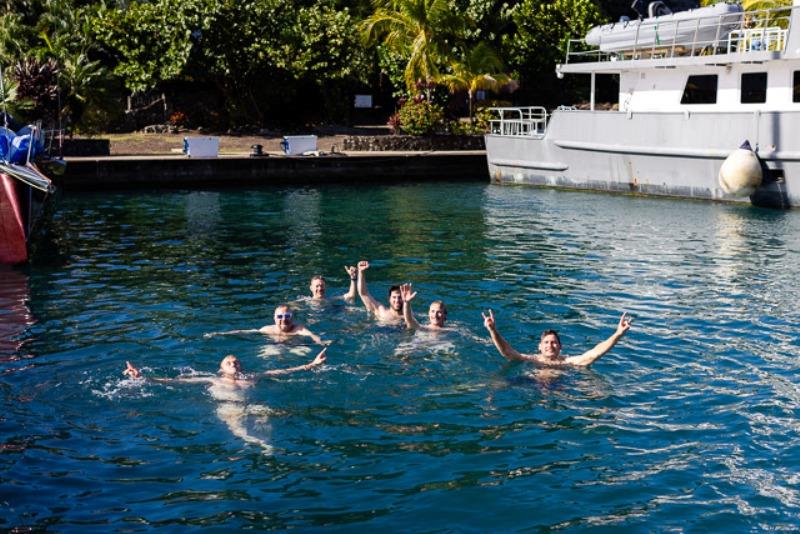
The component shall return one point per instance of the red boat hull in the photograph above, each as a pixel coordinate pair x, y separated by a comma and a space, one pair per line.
13, 242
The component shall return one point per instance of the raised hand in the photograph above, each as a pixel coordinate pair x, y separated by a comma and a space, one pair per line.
320, 359
624, 323
352, 272
131, 371
488, 320
406, 293
363, 265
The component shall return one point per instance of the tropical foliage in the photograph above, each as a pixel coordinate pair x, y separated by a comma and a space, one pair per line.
37, 84
765, 19
149, 42
544, 30
10, 101
15, 35
417, 30
754, 5
256, 63
420, 117
479, 68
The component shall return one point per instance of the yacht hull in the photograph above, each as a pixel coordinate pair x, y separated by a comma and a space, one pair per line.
24, 195
13, 239
676, 154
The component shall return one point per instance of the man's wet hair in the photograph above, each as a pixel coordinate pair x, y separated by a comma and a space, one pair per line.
393, 289
317, 277
230, 357
550, 332
441, 304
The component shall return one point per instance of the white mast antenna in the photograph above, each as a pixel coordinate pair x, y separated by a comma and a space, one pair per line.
3, 92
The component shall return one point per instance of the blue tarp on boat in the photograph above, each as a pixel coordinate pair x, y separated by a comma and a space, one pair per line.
14, 146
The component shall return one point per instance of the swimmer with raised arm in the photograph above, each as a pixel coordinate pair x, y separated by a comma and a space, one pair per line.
282, 330
392, 313
228, 389
230, 373
550, 345
437, 312
318, 287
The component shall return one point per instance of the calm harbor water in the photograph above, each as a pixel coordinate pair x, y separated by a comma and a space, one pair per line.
690, 423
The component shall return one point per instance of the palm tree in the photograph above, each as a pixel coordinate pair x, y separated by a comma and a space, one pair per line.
84, 85
413, 29
754, 5
481, 68
769, 12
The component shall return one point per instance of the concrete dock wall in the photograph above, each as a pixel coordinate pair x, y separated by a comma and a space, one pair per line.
182, 172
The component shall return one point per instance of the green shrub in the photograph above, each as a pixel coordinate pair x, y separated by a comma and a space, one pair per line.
458, 127
394, 124
481, 118
420, 118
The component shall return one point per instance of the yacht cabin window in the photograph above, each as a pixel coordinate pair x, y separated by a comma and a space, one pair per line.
796, 87
754, 88
700, 89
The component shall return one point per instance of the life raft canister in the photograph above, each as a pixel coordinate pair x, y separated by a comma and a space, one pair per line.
741, 172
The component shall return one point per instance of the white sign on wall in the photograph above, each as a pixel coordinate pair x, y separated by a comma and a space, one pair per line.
363, 101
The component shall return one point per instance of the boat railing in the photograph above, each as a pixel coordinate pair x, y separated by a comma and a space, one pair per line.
53, 142
757, 39
519, 122
580, 52
657, 38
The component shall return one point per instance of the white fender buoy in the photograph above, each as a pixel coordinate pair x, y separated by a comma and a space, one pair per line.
740, 173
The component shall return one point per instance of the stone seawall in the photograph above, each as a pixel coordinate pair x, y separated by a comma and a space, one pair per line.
380, 143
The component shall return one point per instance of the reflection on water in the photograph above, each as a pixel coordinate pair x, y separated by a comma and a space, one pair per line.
15, 316
302, 210
690, 420
202, 213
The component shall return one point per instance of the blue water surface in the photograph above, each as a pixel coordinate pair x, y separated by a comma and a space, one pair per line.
689, 424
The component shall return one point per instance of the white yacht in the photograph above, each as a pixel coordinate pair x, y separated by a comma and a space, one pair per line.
693, 87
